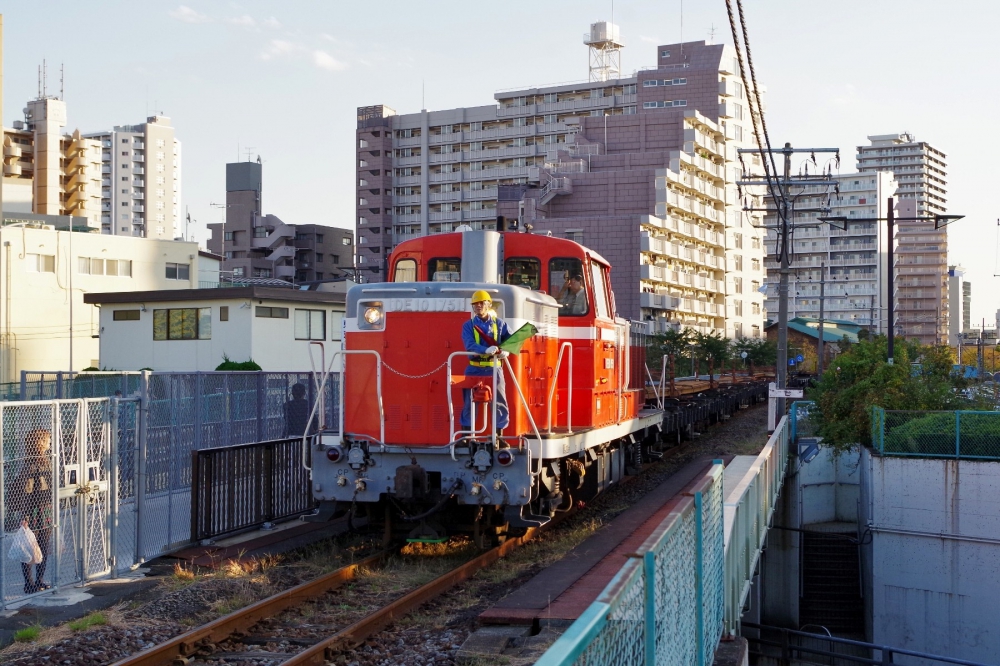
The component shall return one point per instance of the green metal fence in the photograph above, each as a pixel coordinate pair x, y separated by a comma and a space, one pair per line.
665, 606
959, 434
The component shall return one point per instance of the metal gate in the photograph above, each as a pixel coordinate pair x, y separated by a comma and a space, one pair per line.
56, 480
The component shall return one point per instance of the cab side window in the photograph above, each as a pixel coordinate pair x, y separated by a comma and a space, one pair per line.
567, 285
524, 272
406, 271
602, 302
445, 270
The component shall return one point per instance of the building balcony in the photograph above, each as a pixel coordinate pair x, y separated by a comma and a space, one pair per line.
659, 301
138, 208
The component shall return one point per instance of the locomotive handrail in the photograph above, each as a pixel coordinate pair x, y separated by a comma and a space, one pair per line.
527, 408
569, 388
451, 406
649, 375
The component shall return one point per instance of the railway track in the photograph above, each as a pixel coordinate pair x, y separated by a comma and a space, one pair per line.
201, 643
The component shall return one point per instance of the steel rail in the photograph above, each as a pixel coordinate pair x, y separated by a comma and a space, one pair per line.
182, 647
354, 635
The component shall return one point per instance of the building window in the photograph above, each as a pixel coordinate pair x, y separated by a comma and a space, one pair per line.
40, 263
737, 285
738, 241
755, 308
738, 329
575, 235
336, 259
178, 271
230, 235
319, 238
664, 54
549, 119
262, 272
756, 331
755, 285
628, 89
265, 312
346, 240
125, 315
319, 258
738, 262
223, 313
239, 271
310, 324
182, 324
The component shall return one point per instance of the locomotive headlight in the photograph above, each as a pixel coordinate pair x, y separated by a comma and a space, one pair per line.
371, 316
505, 457
334, 454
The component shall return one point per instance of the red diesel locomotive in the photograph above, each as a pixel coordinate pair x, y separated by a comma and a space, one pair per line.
574, 390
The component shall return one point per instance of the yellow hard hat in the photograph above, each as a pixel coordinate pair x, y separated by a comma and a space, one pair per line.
480, 296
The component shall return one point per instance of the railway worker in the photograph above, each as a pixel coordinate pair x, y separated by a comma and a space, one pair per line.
483, 334
573, 297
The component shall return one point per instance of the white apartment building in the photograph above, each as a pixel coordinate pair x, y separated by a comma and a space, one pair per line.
44, 322
920, 169
853, 260
959, 304
141, 184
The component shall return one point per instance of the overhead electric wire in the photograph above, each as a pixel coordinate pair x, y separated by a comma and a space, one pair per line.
782, 245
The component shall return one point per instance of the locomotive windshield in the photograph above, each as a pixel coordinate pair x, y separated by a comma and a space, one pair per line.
406, 271
445, 270
524, 272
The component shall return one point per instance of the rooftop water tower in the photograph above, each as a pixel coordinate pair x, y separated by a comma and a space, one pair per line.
606, 47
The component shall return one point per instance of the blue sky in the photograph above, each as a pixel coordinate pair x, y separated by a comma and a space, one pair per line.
286, 78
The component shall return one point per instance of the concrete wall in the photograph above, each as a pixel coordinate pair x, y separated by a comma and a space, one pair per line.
933, 566
829, 485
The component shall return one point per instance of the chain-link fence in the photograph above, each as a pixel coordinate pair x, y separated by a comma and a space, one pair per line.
665, 606
104, 483
801, 416
960, 434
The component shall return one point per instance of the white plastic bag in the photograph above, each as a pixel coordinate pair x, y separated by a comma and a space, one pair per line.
24, 547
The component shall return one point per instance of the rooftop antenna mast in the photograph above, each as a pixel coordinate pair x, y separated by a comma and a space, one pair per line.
249, 149
62, 80
45, 79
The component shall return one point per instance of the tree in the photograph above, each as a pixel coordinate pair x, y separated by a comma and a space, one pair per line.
715, 348
760, 351
861, 378
670, 343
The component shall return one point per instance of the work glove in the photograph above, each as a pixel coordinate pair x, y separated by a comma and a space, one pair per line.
491, 351
504, 354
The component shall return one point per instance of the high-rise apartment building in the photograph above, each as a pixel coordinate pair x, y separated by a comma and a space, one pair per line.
851, 261
141, 165
255, 245
922, 251
919, 169
123, 182
959, 304
640, 168
47, 172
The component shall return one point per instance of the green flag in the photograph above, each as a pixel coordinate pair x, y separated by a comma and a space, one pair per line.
517, 339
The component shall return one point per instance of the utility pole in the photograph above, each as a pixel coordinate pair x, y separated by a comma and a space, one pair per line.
891, 298
782, 205
822, 299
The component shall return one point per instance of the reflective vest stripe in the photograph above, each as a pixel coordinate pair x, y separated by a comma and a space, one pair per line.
484, 360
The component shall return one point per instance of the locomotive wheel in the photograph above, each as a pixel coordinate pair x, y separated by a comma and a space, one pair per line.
486, 532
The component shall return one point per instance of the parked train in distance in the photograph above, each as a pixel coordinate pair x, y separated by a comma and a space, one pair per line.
575, 390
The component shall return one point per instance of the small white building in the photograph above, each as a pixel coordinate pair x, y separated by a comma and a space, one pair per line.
186, 330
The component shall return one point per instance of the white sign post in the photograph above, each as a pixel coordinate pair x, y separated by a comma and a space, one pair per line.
774, 392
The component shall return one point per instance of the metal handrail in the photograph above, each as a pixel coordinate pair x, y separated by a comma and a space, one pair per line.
887, 651
569, 388
520, 394
451, 406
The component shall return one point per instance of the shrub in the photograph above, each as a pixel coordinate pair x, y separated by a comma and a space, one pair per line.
228, 365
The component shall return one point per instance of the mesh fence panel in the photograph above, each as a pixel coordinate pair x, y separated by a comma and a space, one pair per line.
621, 640
938, 434
676, 595
30, 456
713, 568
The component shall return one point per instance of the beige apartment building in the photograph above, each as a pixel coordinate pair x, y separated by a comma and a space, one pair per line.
641, 167
125, 181
48, 172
